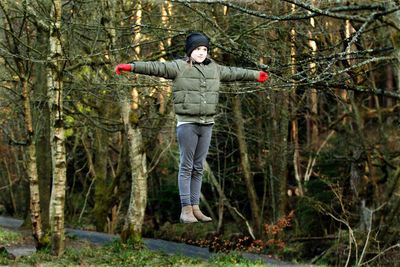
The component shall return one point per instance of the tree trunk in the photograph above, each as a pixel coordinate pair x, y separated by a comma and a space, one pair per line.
245, 164
55, 95
138, 199
165, 91
391, 194
298, 174
312, 131
41, 117
132, 229
137, 156
279, 152
32, 172
102, 194
396, 65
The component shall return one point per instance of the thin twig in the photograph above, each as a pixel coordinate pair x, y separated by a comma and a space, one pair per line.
312, 159
247, 223
381, 253
368, 235
352, 239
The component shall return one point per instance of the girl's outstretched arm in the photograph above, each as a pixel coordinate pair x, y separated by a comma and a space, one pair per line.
168, 70
230, 74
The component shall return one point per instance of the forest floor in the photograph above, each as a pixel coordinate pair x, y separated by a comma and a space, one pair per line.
79, 238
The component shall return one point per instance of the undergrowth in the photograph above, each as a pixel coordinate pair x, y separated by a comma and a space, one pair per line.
272, 243
114, 254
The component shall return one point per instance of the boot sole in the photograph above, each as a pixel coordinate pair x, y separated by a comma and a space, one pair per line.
206, 221
187, 222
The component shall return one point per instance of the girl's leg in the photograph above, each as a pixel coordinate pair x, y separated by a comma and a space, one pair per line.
187, 140
200, 154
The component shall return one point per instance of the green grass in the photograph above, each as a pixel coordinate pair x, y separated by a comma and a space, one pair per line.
115, 254
9, 237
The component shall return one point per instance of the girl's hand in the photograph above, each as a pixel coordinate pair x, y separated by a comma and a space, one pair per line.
263, 77
123, 67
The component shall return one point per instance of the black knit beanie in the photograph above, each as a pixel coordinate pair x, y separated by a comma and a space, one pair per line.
195, 40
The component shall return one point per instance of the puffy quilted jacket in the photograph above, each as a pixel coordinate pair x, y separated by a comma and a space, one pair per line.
195, 86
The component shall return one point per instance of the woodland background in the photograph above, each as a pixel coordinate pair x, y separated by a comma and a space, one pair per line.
305, 165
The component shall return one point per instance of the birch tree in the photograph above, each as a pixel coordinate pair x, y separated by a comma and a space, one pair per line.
294, 122
55, 95
137, 156
132, 229
312, 131
32, 172
22, 71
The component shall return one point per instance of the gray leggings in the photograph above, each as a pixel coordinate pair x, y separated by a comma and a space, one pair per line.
194, 141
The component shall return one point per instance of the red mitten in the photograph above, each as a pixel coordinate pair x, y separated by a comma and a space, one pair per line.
263, 77
123, 67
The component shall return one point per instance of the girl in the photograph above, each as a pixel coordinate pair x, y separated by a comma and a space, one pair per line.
196, 82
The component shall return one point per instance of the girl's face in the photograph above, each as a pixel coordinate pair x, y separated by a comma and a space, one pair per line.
199, 54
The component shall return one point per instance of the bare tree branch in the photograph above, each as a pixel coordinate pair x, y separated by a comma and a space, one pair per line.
332, 12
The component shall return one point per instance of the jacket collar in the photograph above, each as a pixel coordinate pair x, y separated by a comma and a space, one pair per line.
205, 62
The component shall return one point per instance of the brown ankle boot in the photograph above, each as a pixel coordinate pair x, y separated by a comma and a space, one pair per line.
187, 215
199, 215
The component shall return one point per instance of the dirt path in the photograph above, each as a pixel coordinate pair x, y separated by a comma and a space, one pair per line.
168, 247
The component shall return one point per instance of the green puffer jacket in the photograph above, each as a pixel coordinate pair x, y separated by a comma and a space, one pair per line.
195, 86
